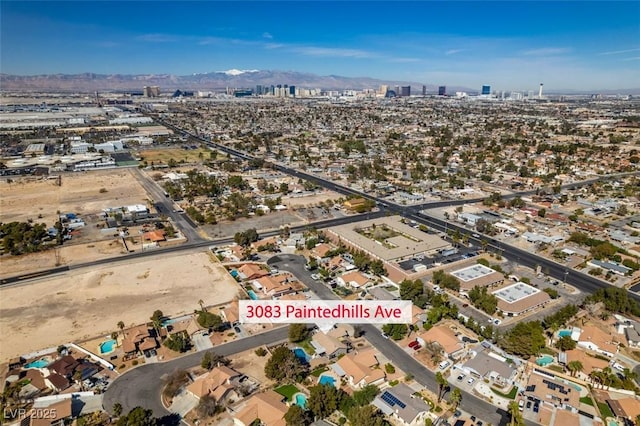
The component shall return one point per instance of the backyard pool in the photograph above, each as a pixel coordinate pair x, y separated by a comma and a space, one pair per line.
107, 346
301, 355
563, 333
41, 363
252, 295
544, 360
327, 380
301, 400
613, 423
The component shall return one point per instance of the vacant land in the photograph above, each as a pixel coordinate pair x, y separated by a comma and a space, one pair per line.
81, 193
82, 304
162, 156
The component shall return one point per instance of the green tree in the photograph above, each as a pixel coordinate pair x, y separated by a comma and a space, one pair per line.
514, 414
324, 400
524, 339
208, 407
211, 359
117, 409
297, 416
396, 331
455, 397
565, 343
210, 320
137, 417
575, 367
298, 332
284, 365
442, 385
121, 327
366, 415
178, 342
365, 395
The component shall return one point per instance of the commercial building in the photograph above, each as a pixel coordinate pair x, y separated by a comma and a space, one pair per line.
519, 298
477, 276
151, 91
442, 90
405, 91
486, 90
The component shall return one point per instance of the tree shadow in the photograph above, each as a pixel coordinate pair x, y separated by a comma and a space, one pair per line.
172, 419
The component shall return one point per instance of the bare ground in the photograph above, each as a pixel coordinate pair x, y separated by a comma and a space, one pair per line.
79, 305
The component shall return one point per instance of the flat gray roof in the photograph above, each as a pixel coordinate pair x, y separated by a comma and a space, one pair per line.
515, 292
409, 242
472, 272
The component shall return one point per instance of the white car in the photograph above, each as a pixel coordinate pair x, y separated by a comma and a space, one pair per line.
471, 380
316, 276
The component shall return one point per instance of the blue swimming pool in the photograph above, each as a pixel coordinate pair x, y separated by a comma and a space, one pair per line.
301, 355
41, 363
107, 346
234, 273
252, 295
563, 333
301, 400
327, 380
544, 360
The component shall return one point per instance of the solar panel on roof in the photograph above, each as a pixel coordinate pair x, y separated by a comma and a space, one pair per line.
392, 400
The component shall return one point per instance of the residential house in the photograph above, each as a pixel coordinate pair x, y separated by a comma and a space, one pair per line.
329, 346
354, 279
266, 406
625, 408
489, 365
251, 271
56, 382
552, 392
58, 413
594, 339
320, 252
451, 346
264, 243
589, 363
138, 340
631, 330
155, 236
231, 313
64, 366
35, 378
187, 327
360, 369
355, 204
276, 285
220, 383
400, 403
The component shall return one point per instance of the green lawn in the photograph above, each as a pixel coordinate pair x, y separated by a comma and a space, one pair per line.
306, 345
287, 391
318, 371
511, 395
586, 400
605, 410
556, 368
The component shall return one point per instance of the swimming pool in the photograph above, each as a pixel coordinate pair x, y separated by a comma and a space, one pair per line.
544, 360
301, 400
563, 333
301, 355
107, 346
41, 363
252, 295
327, 380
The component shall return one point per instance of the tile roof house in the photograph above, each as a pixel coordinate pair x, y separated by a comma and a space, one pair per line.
64, 366
320, 252
445, 337
399, 403
598, 341
56, 382
266, 406
138, 339
360, 369
355, 279
231, 313
189, 327
625, 408
58, 414
491, 366
219, 383
552, 392
329, 346
251, 271
589, 363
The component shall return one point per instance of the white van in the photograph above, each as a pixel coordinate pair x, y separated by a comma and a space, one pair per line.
444, 364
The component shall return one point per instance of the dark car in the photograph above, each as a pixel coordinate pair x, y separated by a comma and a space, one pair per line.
528, 404
536, 407
237, 329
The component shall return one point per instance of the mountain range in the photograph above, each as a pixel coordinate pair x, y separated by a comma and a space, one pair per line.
216, 80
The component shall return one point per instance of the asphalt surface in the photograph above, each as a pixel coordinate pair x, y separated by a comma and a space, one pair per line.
470, 403
143, 385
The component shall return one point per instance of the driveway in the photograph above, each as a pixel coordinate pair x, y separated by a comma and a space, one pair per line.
201, 342
183, 403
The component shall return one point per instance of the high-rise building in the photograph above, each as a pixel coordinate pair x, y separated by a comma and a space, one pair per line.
486, 90
151, 91
442, 90
540, 91
405, 91
259, 89
424, 90
292, 91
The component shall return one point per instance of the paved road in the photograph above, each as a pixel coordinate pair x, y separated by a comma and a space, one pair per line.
470, 403
142, 385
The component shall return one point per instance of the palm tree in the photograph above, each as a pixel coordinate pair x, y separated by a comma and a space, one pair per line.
514, 413
117, 409
442, 385
455, 397
575, 367
121, 327
607, 372
597, 377
201, 303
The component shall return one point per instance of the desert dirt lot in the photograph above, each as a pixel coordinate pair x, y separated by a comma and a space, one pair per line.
80, 193
86, 303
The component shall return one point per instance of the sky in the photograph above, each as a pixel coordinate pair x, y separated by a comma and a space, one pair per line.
513, 45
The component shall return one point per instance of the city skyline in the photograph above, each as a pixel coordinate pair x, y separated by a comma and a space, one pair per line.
509, 46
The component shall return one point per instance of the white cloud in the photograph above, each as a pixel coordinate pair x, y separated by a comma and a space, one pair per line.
157, 38
333, 52
546, 51
617, 52
267, 35
453, 51
633, 58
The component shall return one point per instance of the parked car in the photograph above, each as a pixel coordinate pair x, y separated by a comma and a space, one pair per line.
385, 335
417, 347
460, 377
316, 276
471, 380
413, 343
